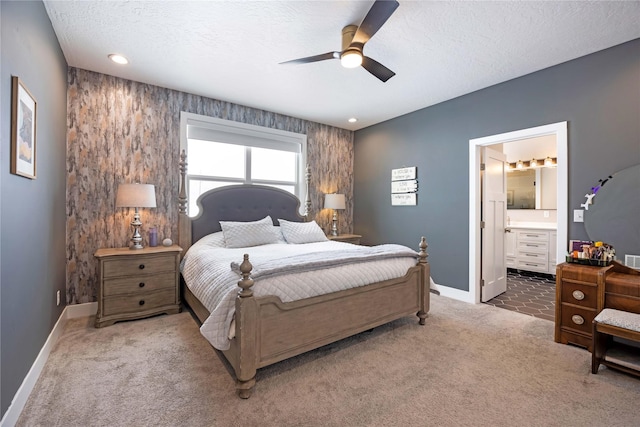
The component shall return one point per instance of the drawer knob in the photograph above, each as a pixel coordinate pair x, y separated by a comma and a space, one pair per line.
577, 319
141, 302
579, 295
141, 284
141, 266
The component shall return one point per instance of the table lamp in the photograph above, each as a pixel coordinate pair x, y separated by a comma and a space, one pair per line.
334, 201
136, 196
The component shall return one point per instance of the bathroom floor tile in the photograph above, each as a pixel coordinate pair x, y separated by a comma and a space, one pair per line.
533, 294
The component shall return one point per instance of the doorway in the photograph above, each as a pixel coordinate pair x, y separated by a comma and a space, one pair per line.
559, 130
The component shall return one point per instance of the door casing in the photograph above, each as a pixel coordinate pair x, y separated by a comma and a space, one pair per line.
560, 131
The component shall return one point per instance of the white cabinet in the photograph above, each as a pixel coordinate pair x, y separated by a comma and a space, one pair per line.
510, 248
531, 250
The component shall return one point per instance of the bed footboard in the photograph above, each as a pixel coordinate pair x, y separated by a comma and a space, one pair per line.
269, 331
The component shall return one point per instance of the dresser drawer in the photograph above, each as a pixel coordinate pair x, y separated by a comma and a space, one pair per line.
532, 235
531, 265
580, 294
139, 302
577, 318
537, 247
140, 284
126, 266
535, 257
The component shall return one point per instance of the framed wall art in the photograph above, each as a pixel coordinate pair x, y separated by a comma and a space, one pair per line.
23, 130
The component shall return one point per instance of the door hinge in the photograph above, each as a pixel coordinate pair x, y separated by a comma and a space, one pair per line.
482, 224
482, 166
481, 282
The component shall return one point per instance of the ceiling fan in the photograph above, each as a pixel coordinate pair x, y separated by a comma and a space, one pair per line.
354, 39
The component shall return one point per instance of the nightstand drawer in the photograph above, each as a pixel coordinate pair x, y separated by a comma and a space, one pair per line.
126, 266
138, 303
140, 284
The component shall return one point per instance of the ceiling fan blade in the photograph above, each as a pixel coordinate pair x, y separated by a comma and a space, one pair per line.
316, 58
375, 19
377, 69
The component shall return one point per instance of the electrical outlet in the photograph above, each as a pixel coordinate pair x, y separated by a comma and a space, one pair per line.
578, 215
57, 297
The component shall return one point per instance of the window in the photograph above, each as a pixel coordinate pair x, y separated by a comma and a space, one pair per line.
222, 152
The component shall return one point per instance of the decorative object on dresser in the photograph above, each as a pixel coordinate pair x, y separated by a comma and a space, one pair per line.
348, 238
136, 196
334, 201
137, 284
583, 291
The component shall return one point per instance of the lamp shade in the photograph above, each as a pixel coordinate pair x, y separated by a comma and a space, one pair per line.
136, 196
334, 201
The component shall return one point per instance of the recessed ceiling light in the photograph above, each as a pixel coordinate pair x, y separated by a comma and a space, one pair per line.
353, 120
118, 59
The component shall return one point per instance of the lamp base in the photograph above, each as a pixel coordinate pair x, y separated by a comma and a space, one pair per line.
334, 224
136, 240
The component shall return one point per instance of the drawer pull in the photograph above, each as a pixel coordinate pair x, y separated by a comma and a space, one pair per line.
141, 302
141, 284
579, 295
141, 266
577, 319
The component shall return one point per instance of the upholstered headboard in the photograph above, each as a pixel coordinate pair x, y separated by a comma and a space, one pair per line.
242, 203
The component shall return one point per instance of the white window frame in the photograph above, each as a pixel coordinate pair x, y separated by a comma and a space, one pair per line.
230, 132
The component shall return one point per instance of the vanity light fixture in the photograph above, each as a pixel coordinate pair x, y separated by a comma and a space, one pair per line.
118, 59
519, 165
548, 161
533, 163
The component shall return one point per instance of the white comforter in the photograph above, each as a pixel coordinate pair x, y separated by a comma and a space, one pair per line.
208, 274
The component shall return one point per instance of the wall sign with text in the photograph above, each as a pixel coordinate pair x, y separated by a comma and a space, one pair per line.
404, 186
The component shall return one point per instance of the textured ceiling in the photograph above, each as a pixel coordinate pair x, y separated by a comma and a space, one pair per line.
230, 50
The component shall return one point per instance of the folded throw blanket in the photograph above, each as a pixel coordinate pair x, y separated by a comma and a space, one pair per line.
318, 260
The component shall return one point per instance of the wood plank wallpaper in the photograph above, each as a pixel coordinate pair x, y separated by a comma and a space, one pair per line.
121, 131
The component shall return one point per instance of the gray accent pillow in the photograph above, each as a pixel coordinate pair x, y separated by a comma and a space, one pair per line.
301, 232
246, 234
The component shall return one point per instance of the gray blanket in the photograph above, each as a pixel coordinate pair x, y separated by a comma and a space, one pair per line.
320, 260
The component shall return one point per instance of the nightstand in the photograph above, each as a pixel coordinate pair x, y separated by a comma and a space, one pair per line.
347, 238
137, 283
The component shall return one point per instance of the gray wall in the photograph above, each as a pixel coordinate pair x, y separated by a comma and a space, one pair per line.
32, 248
598, 95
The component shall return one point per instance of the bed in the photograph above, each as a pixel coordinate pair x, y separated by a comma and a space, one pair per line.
265, 329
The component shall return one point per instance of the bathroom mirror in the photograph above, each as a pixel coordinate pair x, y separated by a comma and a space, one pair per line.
534, 188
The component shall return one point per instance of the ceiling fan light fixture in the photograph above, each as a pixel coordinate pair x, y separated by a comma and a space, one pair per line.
351, 58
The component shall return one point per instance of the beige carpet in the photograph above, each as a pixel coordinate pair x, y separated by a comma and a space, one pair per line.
471, 365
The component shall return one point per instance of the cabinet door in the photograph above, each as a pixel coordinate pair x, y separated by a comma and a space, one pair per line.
553, 252
510, 248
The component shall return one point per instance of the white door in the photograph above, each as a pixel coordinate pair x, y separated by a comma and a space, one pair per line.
494, 212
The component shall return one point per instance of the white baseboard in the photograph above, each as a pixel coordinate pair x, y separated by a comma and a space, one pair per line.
10, 417
453, 293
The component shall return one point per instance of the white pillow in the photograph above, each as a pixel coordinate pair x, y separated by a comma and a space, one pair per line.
246, 234
301, 232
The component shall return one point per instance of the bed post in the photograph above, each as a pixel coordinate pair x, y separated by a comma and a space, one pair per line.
425, 281
246, 332
307, 200
184, 222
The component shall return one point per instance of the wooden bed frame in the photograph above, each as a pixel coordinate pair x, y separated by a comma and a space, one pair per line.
268, 330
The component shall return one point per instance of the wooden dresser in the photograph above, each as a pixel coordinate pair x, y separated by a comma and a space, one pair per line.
582, 291
137, 283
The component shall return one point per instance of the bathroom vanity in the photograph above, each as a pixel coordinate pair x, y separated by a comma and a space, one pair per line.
531, 247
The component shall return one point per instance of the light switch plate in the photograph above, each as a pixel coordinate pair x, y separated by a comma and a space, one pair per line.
578, 215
